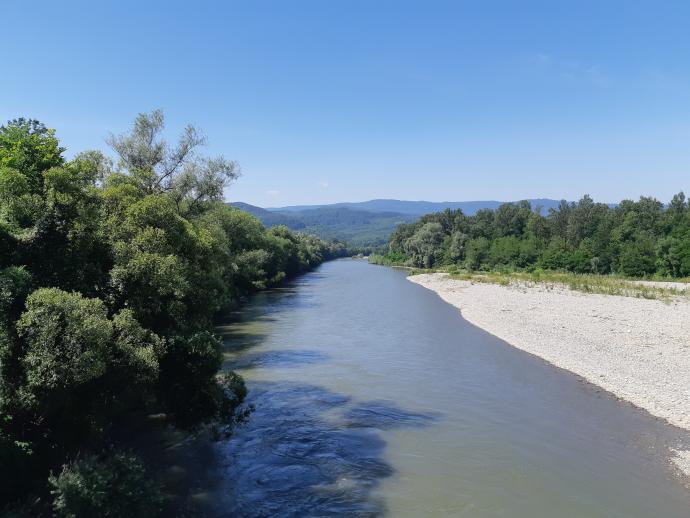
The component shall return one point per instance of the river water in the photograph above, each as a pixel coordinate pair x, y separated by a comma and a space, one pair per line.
374, 397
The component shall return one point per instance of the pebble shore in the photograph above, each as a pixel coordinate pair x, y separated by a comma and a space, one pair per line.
638, 349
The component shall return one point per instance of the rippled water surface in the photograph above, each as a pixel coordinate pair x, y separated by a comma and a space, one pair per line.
374, 397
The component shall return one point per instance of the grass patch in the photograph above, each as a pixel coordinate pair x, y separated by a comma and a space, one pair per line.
586, 283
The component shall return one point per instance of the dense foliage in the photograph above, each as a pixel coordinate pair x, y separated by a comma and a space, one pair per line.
118, 486
634, 238
110, 275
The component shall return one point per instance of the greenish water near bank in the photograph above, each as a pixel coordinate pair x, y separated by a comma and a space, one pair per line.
373, 397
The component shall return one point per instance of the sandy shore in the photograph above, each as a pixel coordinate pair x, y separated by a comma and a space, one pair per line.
638, 349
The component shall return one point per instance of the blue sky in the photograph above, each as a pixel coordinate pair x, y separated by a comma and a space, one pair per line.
335, 100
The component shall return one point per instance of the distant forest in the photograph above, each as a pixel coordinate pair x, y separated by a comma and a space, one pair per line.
361, 230
634, 238
110, 277
365, 226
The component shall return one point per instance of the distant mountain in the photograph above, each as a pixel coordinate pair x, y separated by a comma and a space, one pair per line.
358, 228
270, 218
417, 208
368, 223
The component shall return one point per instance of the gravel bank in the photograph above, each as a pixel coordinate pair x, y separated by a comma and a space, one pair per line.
638, 349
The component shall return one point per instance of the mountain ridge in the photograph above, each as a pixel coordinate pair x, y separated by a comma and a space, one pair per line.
416, 207
366, 224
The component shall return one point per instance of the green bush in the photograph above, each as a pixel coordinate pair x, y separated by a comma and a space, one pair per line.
117, 486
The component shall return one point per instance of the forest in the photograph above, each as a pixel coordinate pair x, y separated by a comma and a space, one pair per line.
644, 238
363, 231
111, 273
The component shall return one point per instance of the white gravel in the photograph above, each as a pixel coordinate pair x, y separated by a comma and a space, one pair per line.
638, 349
681, 461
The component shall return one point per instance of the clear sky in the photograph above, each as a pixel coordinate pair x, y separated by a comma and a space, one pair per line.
348, 100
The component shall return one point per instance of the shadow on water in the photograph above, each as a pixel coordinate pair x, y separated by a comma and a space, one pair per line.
239, 338
323, 359
276, 359
307, 451
249, 326
384, 416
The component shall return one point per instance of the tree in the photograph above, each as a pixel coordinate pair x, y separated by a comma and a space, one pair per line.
635, 238
538, 227
555, 256
456, 247
160, 168
67, 339
29, 148
678, 205
638, 257
66, 247
424, 246
477, 253
504, 251
110, 278
510, 219
116, 486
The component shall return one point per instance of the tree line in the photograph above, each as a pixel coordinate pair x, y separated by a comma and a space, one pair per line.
633, 238
111, 273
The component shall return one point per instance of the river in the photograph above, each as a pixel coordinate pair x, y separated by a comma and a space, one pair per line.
374, 397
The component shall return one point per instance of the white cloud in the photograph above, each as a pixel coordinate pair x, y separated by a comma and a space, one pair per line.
323, 185
273, 193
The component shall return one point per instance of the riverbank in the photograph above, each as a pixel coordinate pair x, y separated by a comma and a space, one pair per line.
636, 348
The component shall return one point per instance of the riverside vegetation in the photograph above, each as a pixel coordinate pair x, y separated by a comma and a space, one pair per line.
632, 239
110, 275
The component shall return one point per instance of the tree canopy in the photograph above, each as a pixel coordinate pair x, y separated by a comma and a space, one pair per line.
110, 276
633, 238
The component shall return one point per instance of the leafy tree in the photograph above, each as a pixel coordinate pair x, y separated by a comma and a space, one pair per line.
636, 239
456, 247
638, 258
504, 251
117, 486
423, 246
556, 255
110, 278
673, 256
29, 148
477, 253
510, 219
160, 168
66, 339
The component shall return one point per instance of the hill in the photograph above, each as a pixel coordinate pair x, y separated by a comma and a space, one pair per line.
366, 224
358, 228
270, 218
416, 208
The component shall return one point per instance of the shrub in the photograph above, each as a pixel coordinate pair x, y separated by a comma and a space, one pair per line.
117, 486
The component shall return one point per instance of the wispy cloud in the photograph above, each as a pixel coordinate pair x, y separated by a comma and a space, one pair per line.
323, 185
570, 70
273, 193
